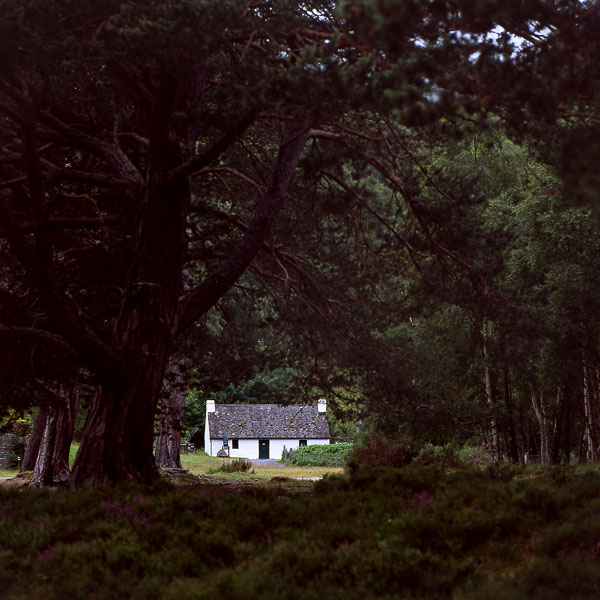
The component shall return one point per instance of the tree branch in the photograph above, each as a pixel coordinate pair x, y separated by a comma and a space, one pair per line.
214, 150
74, 223
111, 152
377, 215
200, 299
31, 334
397, 182
92, 350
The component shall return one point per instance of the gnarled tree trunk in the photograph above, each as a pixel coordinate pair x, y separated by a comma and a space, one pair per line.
168, 442
118, 436
52, 462
119, 431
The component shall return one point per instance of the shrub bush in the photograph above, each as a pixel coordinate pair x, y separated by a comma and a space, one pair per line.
422, 532
451, 455
382, 451
446, 455
237, 465
330, 455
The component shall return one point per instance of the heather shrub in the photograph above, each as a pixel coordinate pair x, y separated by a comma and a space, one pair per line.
475, 456
383, 451
447, 455
422, 532
237, 465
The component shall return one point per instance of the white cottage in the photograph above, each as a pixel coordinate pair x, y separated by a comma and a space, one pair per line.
262, 430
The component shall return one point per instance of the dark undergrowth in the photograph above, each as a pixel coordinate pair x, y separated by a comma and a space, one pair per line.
381, 533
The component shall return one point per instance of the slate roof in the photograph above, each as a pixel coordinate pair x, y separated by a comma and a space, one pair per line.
267, 421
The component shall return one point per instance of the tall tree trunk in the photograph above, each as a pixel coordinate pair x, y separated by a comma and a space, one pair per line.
489, 393
513, 451
589, 438
117, 441
540, 413
119, 431
567, 432
35, 439
524, 431
168, 442
557, 434
52, 463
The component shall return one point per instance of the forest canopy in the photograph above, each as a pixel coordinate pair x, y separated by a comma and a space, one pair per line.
389, 203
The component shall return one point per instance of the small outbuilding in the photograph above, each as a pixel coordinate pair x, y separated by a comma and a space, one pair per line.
263, 430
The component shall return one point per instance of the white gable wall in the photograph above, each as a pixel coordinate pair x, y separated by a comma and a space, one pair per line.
207, 444
249, 448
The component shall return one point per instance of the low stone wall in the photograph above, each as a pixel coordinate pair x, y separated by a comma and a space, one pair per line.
9, 445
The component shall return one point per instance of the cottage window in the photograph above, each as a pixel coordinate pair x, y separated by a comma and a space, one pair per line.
235, 444
302, 443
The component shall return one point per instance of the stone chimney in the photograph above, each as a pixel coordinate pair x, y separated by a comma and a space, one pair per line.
322, 405
210, 406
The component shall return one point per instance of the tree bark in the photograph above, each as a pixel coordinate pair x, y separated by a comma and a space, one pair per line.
168, 442
35, 439
52, 463
567, 436
558, 425
118, 437
513, 451
117, 440
589, 438
540, 413
489, 393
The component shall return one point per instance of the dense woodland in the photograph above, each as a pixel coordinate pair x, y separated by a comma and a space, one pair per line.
388, 203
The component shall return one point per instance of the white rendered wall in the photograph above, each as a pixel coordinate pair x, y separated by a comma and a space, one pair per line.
249, 448
246, 449
207, 437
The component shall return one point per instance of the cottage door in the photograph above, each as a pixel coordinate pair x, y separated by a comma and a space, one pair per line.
263, 448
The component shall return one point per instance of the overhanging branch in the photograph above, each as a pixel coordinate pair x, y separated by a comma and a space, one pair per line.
201, 298
214, 150
30, 334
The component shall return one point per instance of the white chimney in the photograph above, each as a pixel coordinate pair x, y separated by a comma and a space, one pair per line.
322, 405
210, 406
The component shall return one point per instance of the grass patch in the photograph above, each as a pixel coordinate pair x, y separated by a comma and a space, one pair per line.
201, 463
419, 532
